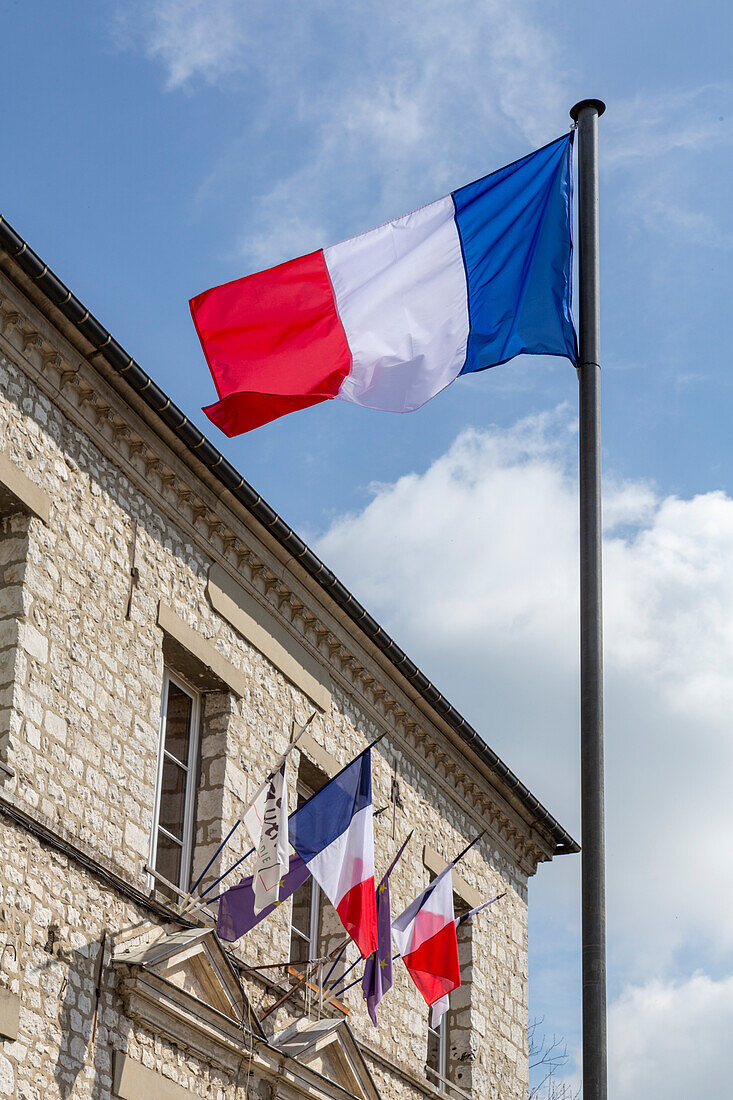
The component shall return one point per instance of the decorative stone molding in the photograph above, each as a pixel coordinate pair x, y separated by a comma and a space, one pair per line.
259, 626
182, 987
329, 1048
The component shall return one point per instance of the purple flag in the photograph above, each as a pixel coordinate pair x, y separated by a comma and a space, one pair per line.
377, 978
236, 907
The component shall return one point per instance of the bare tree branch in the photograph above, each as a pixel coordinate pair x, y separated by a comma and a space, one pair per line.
553, 1056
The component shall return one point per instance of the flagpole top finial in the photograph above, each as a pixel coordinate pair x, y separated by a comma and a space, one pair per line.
599, 105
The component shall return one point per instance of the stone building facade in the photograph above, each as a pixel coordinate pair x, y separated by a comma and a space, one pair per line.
161, 629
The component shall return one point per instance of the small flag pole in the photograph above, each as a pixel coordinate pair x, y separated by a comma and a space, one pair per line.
306, 976
344, 989
586, 114
468, 848
344, 944
216, 882
335, 962
347, 971
397, 856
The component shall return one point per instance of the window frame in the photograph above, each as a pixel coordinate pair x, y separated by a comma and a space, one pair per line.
441, 1070
314, 913
191, 770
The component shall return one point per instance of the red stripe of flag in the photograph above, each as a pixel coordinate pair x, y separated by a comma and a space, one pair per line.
273, 341
358, 912
434, 966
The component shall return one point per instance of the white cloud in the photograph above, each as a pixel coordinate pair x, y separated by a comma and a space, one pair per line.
472, 565
665, 214
210, 39
204, 38
390, 105
647, 127
411, 111
669, 1039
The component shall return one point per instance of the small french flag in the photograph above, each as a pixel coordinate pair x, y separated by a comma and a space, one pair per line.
425, 936
388, 319
333, 834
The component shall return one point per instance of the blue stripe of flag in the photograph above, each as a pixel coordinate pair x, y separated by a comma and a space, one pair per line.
515, 228
327, 815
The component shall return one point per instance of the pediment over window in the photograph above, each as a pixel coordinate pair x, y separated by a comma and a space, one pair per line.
183, 987
194, 961
329, 1048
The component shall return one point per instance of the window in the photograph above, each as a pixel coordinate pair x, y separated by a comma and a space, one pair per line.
176, 788
437, 1059
305, 920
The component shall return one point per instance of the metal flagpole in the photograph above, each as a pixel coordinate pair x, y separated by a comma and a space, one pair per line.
586, 115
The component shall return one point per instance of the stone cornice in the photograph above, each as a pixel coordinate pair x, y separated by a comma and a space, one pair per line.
228, 536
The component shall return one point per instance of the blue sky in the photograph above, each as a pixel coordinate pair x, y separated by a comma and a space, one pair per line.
156, 149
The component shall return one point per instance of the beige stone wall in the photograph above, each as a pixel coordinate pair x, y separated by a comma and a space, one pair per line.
54, 1054
80, 695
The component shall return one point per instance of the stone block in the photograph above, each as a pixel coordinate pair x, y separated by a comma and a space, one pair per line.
13, 601
33, 642
7, 1077
55, 726
136, 839
9, 1014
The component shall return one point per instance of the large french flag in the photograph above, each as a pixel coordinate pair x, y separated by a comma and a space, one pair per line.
390, 318
425, 936
333, 834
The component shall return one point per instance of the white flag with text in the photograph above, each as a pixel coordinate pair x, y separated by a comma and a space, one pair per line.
270, 814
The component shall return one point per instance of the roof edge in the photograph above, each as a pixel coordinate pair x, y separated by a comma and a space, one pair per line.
59, 295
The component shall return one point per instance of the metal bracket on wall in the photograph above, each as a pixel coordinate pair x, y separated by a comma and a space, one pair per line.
134, 571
